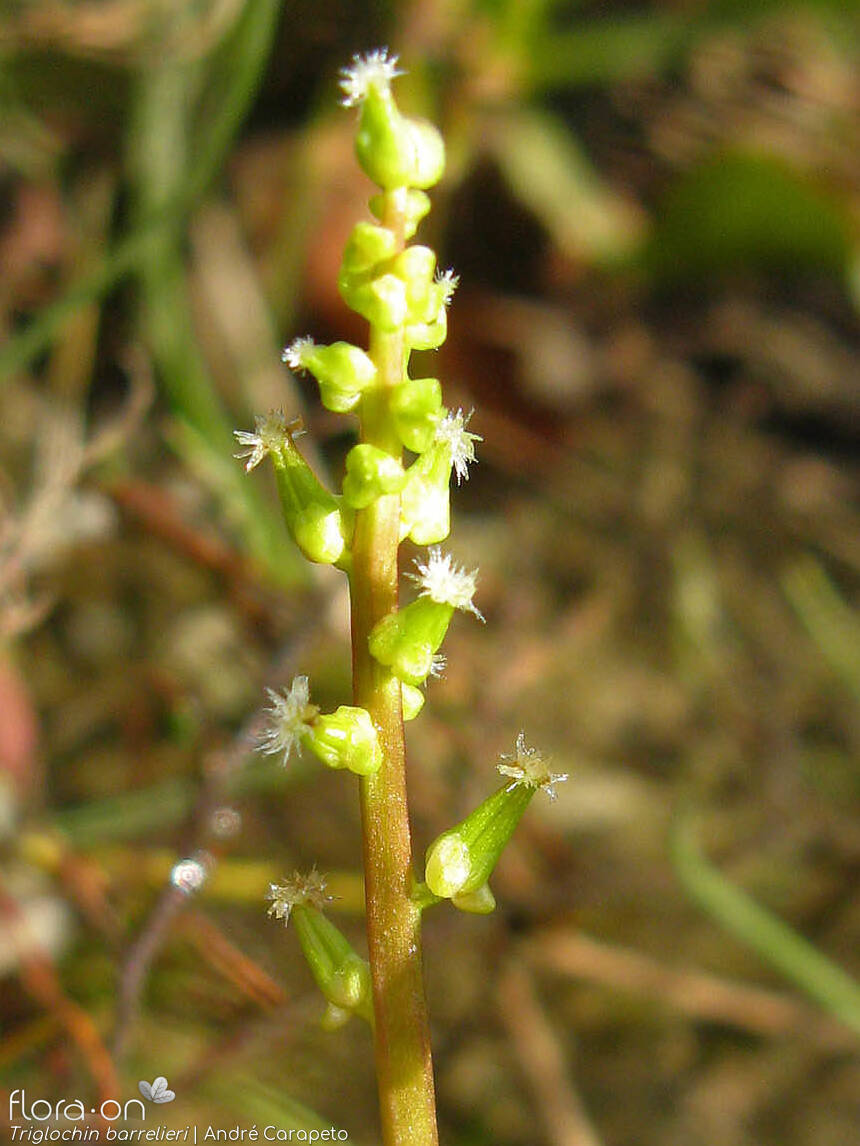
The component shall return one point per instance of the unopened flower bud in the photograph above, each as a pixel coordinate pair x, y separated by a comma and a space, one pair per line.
343, 371
346, 738
370, 473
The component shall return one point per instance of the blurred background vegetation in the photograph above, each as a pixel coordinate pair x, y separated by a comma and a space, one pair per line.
653, 209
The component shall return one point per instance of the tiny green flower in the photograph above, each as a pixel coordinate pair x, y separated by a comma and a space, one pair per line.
290, 719
296, 891
446, 583
270, 433
375, 70
528, 768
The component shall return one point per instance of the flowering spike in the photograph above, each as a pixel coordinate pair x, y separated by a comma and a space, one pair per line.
446, 583
375, 70
291, 716
527, 767
296, 891
271, 432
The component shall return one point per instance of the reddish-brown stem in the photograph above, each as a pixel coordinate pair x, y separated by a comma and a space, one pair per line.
403, 1064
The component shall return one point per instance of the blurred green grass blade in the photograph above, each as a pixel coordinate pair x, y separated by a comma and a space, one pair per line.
739, 211
827, 617
549, 173
607, 51
269, 1107
772, 939
249, 49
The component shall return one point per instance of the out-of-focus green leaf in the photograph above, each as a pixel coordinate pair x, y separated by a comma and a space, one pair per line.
739, 211
550, 174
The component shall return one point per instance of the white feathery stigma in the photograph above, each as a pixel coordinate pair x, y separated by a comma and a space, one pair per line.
449, 282
271, 432
446, 583
290, 715
529, 767
294, 354
296, 891
453, 433
376, 69
438, 665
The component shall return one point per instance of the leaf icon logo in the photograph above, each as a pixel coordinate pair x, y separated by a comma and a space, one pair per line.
158, 1091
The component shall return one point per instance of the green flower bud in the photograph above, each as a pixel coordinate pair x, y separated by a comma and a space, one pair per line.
412, 699
415, 409
368, 246
313, 515
343, 371
370, 473
346, 738
341, 975
417, 205
382, 301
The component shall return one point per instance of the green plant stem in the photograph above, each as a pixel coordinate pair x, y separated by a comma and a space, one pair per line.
403, 1064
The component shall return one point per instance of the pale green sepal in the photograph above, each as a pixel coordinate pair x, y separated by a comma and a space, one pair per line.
428, 335
370, 473
346, 738
417, 206
343, 372
312, 514
415, 406
367, 246
382, 300
341, 975
416, 267
412, 701
462, 859
407, 640
481, 901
